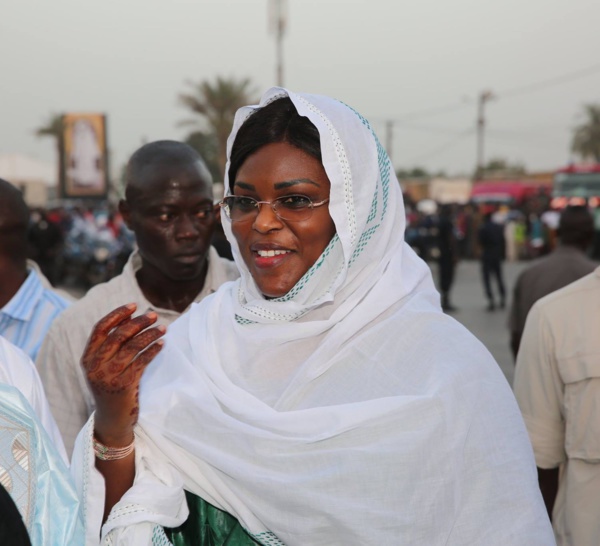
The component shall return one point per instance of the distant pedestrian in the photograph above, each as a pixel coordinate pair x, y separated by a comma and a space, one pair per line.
448, 255
45, 243
566, 264
510, 234
493, 249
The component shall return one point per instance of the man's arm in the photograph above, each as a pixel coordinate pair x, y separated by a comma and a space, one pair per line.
548, 480
514, 318
539, 392
515, 342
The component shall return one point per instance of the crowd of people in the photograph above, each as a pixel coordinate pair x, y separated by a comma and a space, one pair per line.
79, 245
314, 390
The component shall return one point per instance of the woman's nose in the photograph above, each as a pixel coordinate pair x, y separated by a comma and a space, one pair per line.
266, 219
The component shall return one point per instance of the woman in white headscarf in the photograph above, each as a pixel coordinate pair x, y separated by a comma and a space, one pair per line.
323, 398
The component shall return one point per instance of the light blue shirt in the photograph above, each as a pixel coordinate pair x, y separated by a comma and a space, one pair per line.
26, 318
35, 475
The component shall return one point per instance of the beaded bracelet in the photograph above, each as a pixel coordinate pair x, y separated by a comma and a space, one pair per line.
105, 453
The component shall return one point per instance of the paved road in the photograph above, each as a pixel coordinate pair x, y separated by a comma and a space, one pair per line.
490, 327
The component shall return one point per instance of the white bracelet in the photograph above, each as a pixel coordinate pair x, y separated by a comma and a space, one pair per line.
106, 453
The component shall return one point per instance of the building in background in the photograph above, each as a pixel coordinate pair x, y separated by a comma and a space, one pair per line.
35, 178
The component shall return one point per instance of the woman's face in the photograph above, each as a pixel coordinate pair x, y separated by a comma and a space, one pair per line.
277, 170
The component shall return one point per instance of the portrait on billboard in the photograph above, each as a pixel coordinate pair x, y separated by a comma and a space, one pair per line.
84, 164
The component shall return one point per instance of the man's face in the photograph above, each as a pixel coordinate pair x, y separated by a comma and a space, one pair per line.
173, 218
14, 218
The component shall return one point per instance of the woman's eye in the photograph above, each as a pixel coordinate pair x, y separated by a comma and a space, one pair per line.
245, 203
295, 202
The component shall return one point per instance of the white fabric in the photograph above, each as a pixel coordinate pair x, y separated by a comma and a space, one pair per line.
351, 411
35, 475
17, 370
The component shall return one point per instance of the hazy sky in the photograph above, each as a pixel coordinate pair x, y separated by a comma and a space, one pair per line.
389, 59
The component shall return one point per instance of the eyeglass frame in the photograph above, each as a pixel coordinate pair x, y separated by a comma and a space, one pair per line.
311, 207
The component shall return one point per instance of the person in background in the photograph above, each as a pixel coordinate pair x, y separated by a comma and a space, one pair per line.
510, 235
448, 255
33, 461
493, 249
45, 242
557, 386
169, 206
567, 263
324, 397
28, 304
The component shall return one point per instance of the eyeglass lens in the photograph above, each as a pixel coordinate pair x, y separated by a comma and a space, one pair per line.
289, 207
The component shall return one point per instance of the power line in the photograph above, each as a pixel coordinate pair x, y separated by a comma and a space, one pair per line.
565, 78
512, 92
509, 93
447, 145
420, 114
539, 143
435, 129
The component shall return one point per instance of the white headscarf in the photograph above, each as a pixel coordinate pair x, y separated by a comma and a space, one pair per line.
351, 410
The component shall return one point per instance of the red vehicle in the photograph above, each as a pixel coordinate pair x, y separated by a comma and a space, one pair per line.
504, 192
577, 185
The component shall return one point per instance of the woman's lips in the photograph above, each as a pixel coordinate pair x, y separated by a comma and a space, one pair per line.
270, 258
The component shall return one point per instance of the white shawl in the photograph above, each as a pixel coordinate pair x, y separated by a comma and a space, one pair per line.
350, 411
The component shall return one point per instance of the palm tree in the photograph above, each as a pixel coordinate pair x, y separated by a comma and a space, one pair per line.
54, 128
206, 146
586, 137
217, 103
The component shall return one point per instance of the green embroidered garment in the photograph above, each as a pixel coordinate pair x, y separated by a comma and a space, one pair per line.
208, 526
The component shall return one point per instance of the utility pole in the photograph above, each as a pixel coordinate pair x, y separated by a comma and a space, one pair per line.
484, 96
277, 24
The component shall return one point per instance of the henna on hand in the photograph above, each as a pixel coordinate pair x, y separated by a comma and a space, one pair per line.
117, 353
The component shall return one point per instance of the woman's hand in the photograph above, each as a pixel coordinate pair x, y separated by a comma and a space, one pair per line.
116, 355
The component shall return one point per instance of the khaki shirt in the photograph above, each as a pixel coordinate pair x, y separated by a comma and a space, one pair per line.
557, 385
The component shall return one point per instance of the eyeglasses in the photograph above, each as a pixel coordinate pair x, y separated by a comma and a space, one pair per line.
292, 208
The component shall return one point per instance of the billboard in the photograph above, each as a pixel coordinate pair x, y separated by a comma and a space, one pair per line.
84, 161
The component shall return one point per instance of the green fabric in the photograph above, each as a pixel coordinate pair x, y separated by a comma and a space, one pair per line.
208, 526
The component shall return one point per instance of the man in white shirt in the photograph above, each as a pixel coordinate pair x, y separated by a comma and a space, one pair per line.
17, 370
169, 206
33, 461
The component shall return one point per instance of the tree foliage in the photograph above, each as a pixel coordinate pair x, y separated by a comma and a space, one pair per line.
216, 103
586, 136
53, 128
415, 172
498, 165
206, 145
